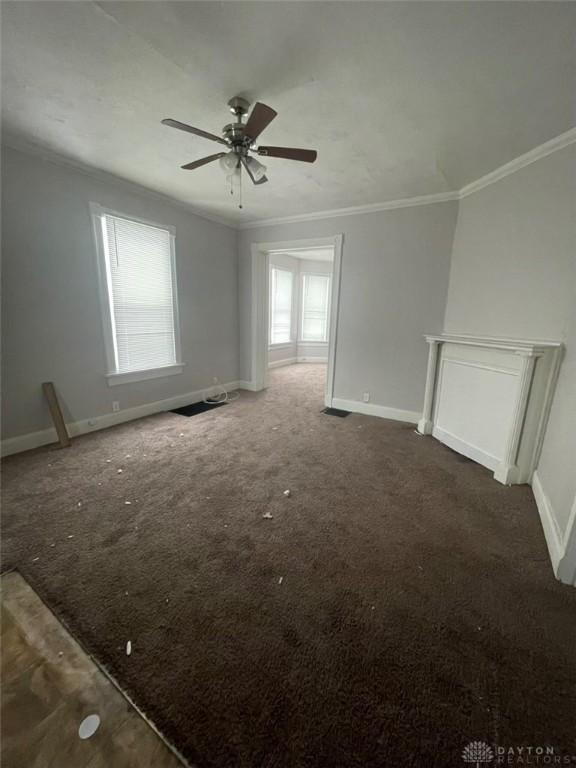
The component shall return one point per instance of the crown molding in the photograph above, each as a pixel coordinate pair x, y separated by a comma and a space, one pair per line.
391, 205
564, 140
109, 178
559, 142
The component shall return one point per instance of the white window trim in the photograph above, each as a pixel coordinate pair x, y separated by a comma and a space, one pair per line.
301, 339
292, 340
113, 376
149, 373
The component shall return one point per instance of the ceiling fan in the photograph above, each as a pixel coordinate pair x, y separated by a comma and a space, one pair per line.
240, 140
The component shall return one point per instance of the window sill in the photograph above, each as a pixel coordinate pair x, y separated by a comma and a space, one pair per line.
313, 343
282, 345
129, 377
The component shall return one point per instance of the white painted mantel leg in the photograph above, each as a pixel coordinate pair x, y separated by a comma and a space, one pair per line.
425, 423
507, 470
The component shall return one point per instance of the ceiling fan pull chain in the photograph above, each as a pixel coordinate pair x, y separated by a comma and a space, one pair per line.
240, 188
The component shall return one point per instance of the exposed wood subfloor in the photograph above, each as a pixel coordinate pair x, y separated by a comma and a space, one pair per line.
49, 685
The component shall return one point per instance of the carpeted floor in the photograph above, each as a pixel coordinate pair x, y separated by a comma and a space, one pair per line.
399, 604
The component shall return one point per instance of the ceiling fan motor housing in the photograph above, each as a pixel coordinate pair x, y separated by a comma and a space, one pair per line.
234, 132
238, 106
239, 143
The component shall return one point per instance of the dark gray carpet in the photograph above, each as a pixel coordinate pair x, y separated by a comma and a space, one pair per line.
417, 609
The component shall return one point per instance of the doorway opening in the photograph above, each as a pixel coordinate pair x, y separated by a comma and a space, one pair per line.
296, 287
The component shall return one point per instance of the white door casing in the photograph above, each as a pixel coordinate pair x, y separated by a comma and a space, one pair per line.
260, 307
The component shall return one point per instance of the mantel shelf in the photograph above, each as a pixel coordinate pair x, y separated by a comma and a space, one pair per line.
489, 342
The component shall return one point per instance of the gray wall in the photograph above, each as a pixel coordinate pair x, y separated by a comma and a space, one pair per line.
395, 269
514, 274
513, 257
52, 326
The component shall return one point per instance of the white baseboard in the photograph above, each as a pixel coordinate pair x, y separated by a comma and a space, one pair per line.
293, 360
466, 449
308, 359
371, 409
549, 524
250, 386
285, 361
46, 436
561, 548
567, 567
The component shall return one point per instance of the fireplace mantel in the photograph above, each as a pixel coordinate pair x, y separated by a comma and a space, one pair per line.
489, 399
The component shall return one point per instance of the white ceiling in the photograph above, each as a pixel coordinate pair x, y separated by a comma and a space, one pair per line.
400, 99
310, 254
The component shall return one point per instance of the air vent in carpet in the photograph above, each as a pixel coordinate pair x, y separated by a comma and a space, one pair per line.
195, 408
336, 412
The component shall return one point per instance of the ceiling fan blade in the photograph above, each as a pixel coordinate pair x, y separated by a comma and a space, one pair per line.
260, 117
289, 153
203, 161
196, 131
262, 180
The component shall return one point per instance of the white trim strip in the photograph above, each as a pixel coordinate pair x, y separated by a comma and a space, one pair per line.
129, 377
46, 436
564, 140
249, 386
555, 144
561, 548
559, 142
391, 205
134, 187
469, 450
511, 345
296, 360
283, 362
549, 524
371, 409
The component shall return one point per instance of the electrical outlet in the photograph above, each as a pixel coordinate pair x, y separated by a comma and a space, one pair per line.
365, 397
115, 406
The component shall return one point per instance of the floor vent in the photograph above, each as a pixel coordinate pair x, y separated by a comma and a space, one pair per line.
195, 408
336, 412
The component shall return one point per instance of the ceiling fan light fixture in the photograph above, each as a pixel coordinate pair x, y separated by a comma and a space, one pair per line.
257, 169
229, 163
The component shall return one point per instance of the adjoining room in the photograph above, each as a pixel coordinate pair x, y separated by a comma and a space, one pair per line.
300, 286
288, 384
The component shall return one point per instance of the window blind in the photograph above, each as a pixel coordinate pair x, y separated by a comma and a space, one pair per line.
281, 306
315, 298
141, 294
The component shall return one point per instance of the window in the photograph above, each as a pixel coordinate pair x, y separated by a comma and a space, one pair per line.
315, 300
137, 262
280, 306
